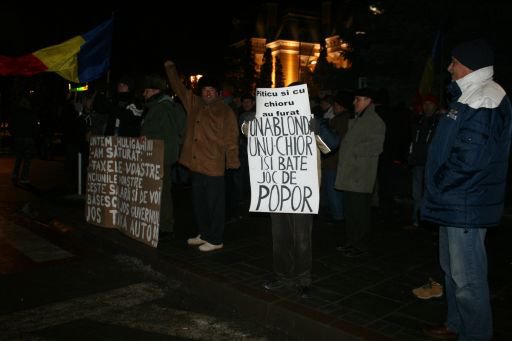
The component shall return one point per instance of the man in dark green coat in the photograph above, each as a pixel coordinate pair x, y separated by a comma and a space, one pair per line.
164, 120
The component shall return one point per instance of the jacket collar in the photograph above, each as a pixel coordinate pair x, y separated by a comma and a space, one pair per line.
479, 76
460, 86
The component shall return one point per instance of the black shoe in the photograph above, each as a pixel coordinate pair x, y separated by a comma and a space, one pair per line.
304, 291
274, 284
164, 236
344, 248
355, 253
233, 220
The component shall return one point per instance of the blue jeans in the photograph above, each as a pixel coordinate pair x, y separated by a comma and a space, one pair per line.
463, 259
334, 197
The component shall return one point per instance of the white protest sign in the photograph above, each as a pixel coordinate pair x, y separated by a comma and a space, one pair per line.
282, 152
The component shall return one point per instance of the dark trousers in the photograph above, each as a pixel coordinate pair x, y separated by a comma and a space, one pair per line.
292, 247
233, 184
209, 201
166, 204
24, 148
358, 218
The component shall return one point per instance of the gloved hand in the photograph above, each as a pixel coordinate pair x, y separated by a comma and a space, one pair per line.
314, 125
135, 111
245, 125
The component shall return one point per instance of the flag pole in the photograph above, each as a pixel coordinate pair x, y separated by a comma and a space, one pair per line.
79, 173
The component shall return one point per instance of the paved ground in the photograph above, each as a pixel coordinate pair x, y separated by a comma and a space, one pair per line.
364, 298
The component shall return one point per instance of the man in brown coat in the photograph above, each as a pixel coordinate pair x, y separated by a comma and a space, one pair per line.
210, 146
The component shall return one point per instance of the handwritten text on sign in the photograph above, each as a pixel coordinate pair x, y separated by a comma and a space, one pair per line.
124, 182
282, 153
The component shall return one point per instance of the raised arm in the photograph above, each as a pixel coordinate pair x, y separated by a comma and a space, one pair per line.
177, 85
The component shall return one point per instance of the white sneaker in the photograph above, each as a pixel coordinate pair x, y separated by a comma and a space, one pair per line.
196, 241
207, 247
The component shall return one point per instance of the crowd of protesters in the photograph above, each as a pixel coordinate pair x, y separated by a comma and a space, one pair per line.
380, 162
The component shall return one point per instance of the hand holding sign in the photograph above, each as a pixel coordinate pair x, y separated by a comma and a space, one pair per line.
245, 125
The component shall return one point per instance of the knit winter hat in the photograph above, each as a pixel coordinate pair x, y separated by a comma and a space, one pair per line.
128, 80
155, 82
345, 99
474, 54
210, 81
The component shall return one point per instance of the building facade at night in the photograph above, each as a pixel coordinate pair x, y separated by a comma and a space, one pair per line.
295, 38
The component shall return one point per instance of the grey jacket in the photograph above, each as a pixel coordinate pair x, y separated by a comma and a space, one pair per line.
359, 152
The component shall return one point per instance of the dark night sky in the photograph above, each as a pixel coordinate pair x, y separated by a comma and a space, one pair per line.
194, 35
142, 36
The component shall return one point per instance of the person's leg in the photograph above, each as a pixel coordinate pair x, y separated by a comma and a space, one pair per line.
232, 180
28, 151
468, 276
453, 321
417, 192
199, 202
18, 151
362, 216
215, 197
302, 225
282, 245
350, 219
334, 197
166, 204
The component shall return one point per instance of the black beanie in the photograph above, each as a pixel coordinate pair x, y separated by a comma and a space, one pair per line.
129, 81
345, 99
366, 92
474, 54
155, 82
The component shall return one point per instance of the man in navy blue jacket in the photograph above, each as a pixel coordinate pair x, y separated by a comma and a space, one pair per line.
466, 173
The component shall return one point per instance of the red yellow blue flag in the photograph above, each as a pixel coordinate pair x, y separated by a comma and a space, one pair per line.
427, 78
80, 59
425, 87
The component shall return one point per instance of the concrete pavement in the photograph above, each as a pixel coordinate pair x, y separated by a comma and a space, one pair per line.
366, 298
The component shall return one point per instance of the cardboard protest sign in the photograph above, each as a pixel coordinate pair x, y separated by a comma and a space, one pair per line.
282, 152
124, 184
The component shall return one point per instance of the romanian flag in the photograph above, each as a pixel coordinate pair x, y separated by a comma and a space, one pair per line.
425, 87
83, 58
427, 79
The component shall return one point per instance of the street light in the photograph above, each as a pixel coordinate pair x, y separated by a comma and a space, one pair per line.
376, 10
